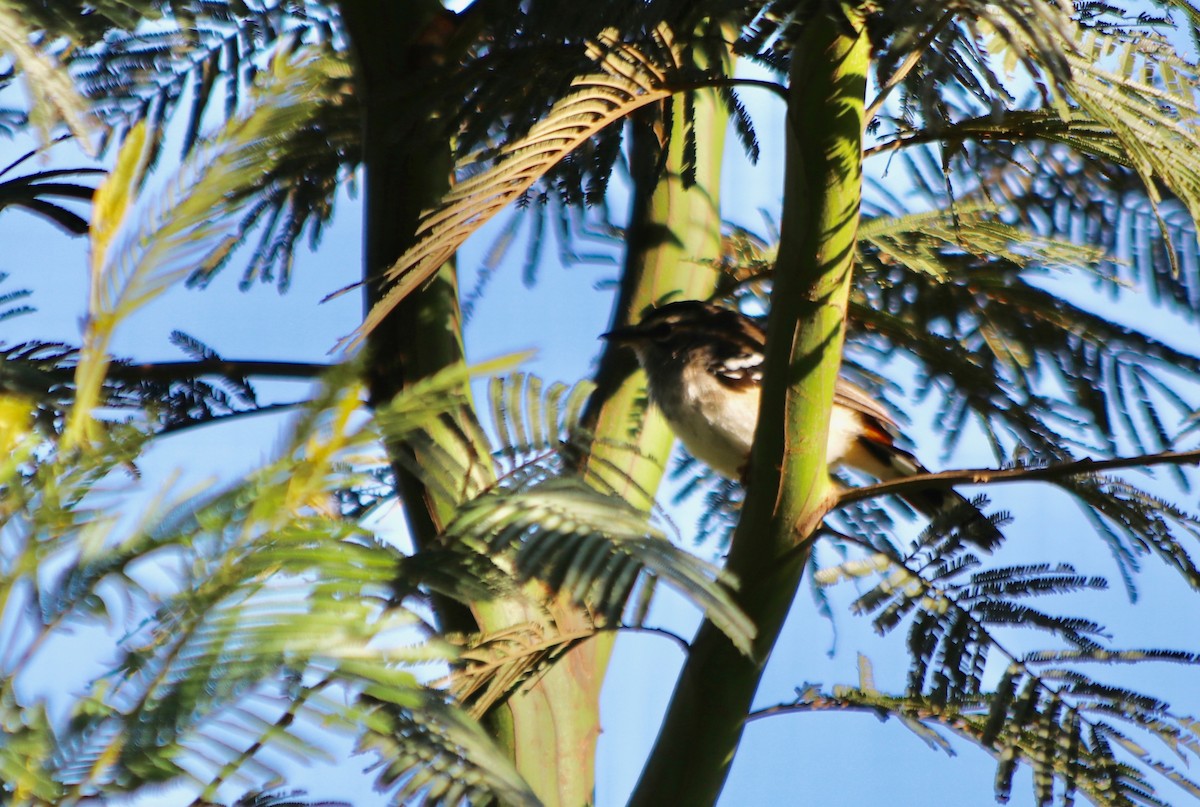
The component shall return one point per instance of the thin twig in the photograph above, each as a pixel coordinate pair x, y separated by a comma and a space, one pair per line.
824, 703
268, 409
167, 371
674, 637
762, 84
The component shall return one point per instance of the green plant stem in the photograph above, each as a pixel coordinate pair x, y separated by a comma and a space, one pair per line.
789, 489
673, 228
674, 239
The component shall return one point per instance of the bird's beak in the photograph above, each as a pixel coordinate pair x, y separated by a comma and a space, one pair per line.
625, 335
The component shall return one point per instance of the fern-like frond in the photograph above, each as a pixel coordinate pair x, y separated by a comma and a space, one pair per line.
192, 227
269, 616
1099, 202
593, 547
1145, 93
1045, 711
491, 667
54, 97
951, 291
210, 51
135, 261
1114, 144
434, 755
1134, 523
533, 424
1070, 754
541, 521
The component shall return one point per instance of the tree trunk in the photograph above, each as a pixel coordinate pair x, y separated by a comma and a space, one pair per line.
549, 730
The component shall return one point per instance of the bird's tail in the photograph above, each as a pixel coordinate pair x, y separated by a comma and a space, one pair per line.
895, 463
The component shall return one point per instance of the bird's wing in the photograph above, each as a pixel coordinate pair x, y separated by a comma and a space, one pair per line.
736, 360
854, 397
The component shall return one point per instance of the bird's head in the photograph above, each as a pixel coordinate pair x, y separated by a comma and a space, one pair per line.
675, 329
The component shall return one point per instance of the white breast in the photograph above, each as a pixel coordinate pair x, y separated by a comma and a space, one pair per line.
717, 423
845, 426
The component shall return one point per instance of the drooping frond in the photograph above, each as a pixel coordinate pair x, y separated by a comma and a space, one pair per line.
628, 81
437, 756
1069, 756
593, 547
1099, 202
453, 467
196, 49
1073, 178
1145, 93
542, 221
1134, 523
1103, 145
541, 524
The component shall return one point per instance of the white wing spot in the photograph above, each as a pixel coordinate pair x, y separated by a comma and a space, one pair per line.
747, 365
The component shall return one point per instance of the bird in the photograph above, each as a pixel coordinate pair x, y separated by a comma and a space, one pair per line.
704, 371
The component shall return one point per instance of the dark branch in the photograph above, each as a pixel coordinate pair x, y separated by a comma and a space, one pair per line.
165, 372
987, 476
226, 368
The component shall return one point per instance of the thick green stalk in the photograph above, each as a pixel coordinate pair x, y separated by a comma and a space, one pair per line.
789, 490
674, 239
674, 229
